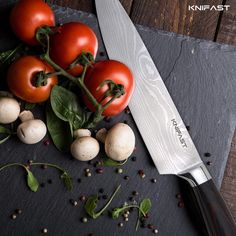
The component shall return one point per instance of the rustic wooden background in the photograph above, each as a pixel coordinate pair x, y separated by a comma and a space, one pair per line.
173, 15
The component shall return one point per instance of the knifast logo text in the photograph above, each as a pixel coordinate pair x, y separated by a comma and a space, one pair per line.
179, 133
208, 7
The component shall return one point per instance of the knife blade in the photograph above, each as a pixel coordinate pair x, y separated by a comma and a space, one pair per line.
157, 118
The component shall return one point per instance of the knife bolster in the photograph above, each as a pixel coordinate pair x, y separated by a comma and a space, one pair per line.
197, 176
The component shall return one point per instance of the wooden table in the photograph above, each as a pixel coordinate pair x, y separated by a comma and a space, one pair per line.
173, 15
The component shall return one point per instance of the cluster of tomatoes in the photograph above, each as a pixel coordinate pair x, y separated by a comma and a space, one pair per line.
67, 43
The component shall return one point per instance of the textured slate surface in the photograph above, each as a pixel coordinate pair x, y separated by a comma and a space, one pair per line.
200, 76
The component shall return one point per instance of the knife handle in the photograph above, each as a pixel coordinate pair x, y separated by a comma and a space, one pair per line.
216, 216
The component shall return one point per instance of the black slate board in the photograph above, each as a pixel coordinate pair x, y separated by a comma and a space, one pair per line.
200, 76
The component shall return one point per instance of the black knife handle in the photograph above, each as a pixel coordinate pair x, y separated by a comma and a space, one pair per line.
216, 216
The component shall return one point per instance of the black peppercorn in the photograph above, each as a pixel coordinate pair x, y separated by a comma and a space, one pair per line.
18, 211
13, 216
101, 190
45, 231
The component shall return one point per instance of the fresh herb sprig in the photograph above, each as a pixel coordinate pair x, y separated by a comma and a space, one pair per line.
32, 181
143, 209
91, 204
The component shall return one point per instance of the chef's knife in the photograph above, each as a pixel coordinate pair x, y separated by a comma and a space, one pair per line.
157, 118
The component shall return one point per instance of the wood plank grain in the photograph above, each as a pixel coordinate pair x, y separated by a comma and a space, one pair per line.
87, 5
228, 188
227, 30
173, 15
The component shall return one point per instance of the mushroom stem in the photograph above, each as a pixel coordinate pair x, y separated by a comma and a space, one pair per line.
26, 115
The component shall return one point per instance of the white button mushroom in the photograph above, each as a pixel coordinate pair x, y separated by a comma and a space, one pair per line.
84, 148
101, 135
120, 142
9, 110
31, 130
79, 133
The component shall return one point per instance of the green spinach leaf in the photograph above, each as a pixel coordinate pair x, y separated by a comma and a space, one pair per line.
65, 105
106, 161
91, 205
145, 205
32, 181
67, 180
59, 130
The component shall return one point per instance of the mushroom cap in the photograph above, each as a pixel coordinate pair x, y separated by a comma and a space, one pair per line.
85, 148
9, 110
120, 142
31, 131
79, 133
101, 135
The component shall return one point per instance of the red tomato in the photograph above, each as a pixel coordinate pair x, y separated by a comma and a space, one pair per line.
21, 77
69, 42
27, 16
109, 70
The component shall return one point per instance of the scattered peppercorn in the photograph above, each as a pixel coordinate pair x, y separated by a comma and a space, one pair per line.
126, 177
18, 211
133, 158
143, 225
155, 231
141, 174
46, 142
153, 180
188, 127
79, 180
82, 198
44, 230
131, 199
101, 190
88, 174
135, 193
13, 216
207, 154
99, 171
150, 226
90, 162
127, 212
181, 204
42, 185
73, 202
120, 224
127, 110
44, 167
119, 171
105, 197
209, 163
178, 196
102, 54
84, 220
49, 181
